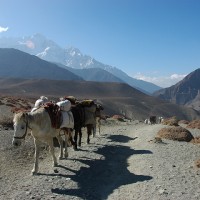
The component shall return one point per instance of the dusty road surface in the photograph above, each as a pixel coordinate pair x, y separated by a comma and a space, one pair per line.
124, 162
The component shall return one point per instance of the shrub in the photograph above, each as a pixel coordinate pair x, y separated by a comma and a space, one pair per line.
173, 121
6, 121
194, 124
175, 133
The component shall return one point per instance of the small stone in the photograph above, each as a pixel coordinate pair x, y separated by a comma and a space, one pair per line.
158, 186
28, 192
162, 191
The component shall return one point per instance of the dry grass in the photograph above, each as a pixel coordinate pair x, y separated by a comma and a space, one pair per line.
10, 105
197, 163
194, 124
6, 121
196, 140
118, 117
173, 121
175, 133
183, 122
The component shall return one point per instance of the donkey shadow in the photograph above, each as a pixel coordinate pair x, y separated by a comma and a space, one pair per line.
120, 138
105, 175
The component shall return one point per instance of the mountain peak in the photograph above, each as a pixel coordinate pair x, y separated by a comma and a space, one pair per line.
48, 50
74, 51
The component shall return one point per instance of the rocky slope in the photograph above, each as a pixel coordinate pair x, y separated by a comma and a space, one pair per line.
184, 92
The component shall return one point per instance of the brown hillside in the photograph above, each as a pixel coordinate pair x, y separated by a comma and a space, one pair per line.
117, 98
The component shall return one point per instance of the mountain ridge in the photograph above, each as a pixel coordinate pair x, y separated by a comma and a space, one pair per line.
71, 57
184, 92
24, 65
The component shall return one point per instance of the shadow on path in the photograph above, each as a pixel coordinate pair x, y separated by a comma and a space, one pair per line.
120, 138
104, 175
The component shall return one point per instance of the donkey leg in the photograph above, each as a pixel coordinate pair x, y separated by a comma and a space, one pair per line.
50, 142
75, 139
60, 140
70, 138
94, 130
99, 124
89, 131
66, 141
36, 156
80, 137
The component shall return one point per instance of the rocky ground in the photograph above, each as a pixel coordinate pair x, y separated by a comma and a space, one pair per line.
123, 162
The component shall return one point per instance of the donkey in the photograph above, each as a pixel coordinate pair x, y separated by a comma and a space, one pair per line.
39, 123
98, 118
84, 116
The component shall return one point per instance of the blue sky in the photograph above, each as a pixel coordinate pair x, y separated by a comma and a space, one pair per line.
154, 40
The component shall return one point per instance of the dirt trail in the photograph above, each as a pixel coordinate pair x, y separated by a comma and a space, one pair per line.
122, 163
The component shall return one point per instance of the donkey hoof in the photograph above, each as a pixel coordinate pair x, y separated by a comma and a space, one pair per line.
66, 155
33, 173
55, 164
75, 148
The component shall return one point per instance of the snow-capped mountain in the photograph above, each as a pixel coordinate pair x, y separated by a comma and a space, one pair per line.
71, 57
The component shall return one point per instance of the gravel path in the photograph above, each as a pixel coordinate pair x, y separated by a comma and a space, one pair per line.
122, 163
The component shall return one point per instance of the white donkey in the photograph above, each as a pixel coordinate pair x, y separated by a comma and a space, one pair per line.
39, 123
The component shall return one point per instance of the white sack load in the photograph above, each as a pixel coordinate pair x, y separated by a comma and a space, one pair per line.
68, 119
38, 103
41, 101
64, 105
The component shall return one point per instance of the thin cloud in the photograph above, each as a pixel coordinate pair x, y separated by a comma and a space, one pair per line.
161, 81
177, 76
3, 29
